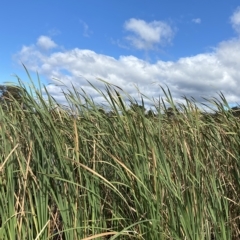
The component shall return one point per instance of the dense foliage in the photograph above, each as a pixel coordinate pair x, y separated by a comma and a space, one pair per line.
169, 173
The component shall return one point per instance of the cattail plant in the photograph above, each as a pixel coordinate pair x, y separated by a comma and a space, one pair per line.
117, 175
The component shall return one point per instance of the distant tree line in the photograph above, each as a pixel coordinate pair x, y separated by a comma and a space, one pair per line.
10, 94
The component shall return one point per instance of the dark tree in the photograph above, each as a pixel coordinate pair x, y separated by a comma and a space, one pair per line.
135, 107
10, 94
150, 114
170, 112
235, 111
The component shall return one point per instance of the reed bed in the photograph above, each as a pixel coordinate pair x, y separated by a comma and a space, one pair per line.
122, 175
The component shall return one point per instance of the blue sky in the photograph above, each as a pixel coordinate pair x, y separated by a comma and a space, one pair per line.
192, 46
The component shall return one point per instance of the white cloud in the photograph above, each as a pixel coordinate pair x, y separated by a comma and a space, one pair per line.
146, 35
202, 75
46, 43
197, 20
86, 30
235, 20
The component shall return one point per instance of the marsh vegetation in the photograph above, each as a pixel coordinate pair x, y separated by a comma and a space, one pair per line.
171, 174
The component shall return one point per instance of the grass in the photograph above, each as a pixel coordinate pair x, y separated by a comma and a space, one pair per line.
124, 176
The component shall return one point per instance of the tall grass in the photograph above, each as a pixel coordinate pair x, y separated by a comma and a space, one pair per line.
124, 176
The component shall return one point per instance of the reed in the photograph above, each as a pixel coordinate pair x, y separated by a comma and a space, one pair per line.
121, 176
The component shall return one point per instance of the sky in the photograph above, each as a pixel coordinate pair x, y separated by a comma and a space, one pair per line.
190, 46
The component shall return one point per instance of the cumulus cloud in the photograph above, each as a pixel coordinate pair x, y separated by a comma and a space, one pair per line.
198, 76
46, 43
197, 20
145, 35
202, 75
235, 20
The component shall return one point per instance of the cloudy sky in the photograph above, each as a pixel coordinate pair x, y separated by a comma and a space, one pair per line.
191, 46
